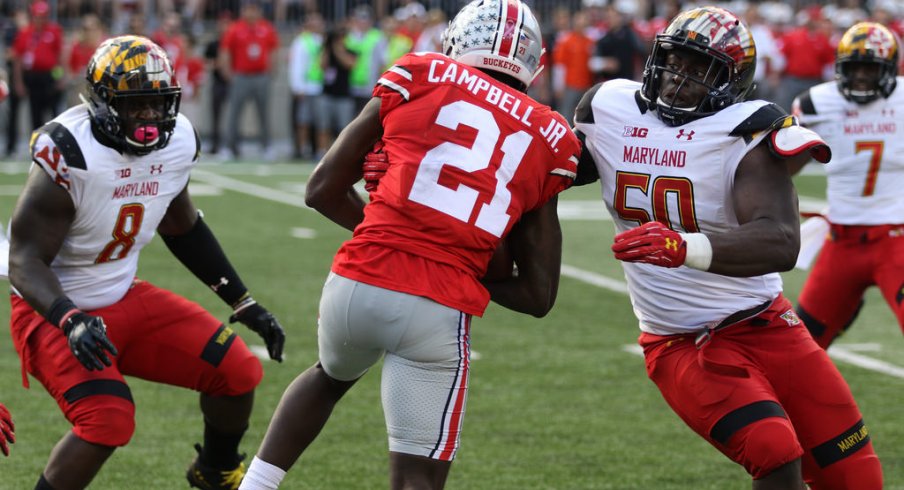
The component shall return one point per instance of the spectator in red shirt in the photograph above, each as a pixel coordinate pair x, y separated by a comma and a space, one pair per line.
90, 34
37, 64
245, 59
808, 53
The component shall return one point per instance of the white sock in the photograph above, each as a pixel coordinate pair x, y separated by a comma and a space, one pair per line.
262, 475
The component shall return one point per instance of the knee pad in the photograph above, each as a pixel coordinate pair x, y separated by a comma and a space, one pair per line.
107, 420
236, 377
766, 445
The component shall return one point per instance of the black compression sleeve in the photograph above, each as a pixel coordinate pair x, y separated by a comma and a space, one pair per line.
199, 251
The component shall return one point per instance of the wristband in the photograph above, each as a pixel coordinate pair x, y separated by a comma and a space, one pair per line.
60, 310
244, 302
699, 251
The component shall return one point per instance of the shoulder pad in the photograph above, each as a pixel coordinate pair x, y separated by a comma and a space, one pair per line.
65, 144
197, 156
586, 172
584, 111
804, 104
770, 116
793, 140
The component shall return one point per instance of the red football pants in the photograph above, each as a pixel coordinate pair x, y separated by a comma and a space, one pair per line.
778, 398
856, 258
160, 337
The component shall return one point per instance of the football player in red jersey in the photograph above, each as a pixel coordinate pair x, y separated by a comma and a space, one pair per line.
473, 158
7, 430
106, 174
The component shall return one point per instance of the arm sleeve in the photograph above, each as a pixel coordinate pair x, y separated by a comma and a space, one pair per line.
200, 252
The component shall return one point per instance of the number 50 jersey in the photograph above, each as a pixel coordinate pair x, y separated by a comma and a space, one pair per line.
468, 156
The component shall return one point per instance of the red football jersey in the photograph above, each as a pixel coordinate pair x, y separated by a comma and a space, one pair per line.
468, 156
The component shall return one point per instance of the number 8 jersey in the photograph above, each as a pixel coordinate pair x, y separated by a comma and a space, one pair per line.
468, 156
119, 200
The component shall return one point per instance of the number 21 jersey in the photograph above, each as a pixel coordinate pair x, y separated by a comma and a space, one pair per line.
468, 156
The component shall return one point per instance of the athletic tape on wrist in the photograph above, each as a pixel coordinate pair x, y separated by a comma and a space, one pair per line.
699, 251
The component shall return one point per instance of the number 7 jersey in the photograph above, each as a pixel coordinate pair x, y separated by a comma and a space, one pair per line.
468, 156
866, 174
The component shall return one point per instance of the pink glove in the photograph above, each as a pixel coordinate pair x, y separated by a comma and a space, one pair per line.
652, 243
7, 430
376, 162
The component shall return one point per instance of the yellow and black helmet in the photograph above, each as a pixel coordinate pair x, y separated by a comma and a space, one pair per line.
124, 72
867, 42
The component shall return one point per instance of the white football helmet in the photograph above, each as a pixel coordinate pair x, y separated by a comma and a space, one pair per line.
498, 35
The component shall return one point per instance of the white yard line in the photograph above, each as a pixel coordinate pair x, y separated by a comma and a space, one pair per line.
840, 352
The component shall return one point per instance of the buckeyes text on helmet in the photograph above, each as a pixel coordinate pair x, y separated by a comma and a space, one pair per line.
125, 73
712, 33
497, 35
874, 48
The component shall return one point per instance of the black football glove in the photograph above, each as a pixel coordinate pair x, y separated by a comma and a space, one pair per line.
257, 318
7, 430
88, 339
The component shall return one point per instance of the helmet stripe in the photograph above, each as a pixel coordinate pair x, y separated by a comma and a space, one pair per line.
510, 19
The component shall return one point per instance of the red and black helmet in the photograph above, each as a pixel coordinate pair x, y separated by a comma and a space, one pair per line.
725, 40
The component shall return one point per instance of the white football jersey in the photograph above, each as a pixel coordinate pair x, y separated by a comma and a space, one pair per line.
866, 174
119, 201
679, 175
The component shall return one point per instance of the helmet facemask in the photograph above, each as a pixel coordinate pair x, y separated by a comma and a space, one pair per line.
701, 81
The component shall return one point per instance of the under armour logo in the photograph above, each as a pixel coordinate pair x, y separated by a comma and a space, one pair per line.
671, 244
156, 169
682, 134
223, 281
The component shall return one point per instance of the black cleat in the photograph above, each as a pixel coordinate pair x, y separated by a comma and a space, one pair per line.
207, 477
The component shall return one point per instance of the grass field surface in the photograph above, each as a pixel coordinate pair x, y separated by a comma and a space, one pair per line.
561, 402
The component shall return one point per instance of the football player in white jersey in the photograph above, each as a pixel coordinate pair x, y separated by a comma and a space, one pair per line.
106, 174
856, 116
696, 180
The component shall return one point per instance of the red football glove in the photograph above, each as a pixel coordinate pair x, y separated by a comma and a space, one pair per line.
652, 243
376, 162
7, 430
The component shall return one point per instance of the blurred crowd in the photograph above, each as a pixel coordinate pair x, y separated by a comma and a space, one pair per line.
228, 53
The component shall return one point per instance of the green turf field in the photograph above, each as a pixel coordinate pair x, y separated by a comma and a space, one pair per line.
555, 403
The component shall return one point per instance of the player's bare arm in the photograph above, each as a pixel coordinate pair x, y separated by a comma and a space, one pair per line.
185, 233
330, 188
40, 222
768, 238
536, 247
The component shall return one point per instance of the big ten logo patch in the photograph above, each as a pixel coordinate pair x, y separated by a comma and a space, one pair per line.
635, 132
